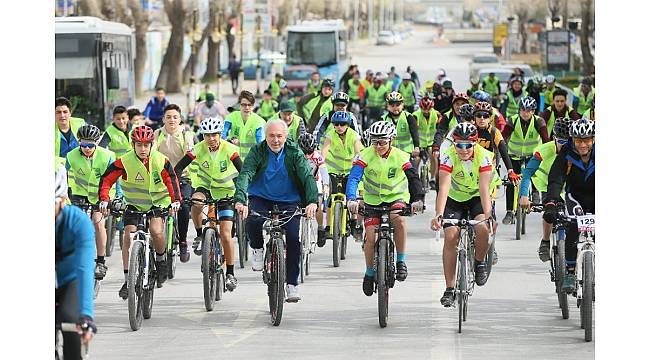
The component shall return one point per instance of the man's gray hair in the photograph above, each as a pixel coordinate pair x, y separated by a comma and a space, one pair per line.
281, 122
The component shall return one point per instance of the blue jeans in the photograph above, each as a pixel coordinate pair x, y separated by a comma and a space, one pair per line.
254, 226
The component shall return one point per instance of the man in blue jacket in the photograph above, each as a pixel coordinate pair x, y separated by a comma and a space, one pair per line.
155, 109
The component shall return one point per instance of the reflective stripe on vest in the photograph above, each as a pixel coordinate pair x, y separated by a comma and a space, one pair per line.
513, 103
84, 173
216, 174
520, 145
548, 152
120, 143
403, 140
383, 179
340, 155
426, 127
465, 186
144, 189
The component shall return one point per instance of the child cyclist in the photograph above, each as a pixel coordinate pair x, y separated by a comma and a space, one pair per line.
307, 142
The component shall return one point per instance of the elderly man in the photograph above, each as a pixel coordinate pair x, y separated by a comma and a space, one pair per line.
276, 172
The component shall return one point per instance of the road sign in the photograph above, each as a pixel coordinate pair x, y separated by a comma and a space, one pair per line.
558, 50
499, 33
251, 9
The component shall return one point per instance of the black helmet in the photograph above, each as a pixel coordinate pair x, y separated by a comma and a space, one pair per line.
89, 132
466, 112
561, 127
465, 131
340, 97
307, 142
527, 103
327, 83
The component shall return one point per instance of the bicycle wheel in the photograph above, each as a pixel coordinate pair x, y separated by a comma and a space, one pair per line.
336, 234
278, 276
559, 279
490, 258
208, 268
461, 286
111, 225
344, 238
587, 306
172, 246
518, 216
147, 296
523, 223
134, 285
96, 288
382, 286
304, 241
241, 240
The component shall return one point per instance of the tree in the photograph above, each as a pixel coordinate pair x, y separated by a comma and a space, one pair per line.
141, 23
554, 7
170, 76
587, 29
521, 8
214, 43
90, 8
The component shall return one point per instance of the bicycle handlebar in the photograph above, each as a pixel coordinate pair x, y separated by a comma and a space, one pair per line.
152, 212
367, 210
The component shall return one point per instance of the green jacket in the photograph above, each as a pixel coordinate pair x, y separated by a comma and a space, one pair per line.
297, 167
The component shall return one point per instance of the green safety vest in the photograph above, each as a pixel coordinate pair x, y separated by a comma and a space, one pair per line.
313, 89
584, 103
191, 172
366, 84
340, 155
245, 132
408, 93
275, 89
548, 152
293, 128
267, 109
217, 173
548, 96
84, 173
145, 189
465, 186
309, 107
452, 120
203, 94
587, 114
353, 91
75, 124
384, 181
377, 97
120, 143
403, 140
389, 85
426, 127
521, 145
551, 119
513, 103
491, 86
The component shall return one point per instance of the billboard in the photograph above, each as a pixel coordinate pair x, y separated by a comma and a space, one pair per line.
558, 50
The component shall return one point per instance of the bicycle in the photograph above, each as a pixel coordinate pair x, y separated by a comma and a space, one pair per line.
384, 259
89, 208
238, 231
60, 328
424, 170
274, 271
338, 219
308, 240
142, 272
171, 234
464, 286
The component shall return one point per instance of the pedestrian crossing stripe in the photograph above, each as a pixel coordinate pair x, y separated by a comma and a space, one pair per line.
139, 177
205, 164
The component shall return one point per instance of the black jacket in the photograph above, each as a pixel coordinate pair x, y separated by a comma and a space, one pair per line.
579, 178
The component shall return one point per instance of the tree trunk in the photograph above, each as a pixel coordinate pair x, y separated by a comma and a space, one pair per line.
171, 73
212, 68
90, 8
523, 30
187, 69
141, 22
587, 57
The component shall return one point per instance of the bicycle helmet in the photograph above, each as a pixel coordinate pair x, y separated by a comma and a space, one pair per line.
517, 78
382, 129
426, 102
379, 76
562, 127
550, 79
327, 83
60, 183
212, 125
307, 142
283, 84
474, 80
483, 106
394, 97
481, 95
341, 117
340, 97
459, 96
528, 103
143, 134
466, 112
465, 131
406, 76
89, 132
582, 128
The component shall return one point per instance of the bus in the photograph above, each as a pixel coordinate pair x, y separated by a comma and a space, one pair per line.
94, 66
323, 43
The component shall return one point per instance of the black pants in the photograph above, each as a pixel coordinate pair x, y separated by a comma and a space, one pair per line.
67, 311
510, 189
184, 212
234, 81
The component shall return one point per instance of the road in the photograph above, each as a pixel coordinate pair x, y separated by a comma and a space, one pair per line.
515, 315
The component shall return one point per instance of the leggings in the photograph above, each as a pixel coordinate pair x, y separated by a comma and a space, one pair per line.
67, 311
184, 212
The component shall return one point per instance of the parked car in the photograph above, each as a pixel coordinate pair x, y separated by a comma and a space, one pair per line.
397, 36
385, 37
480, 61
297, 77
503, 72
250, 68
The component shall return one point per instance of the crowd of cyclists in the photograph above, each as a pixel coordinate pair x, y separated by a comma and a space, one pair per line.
374, 133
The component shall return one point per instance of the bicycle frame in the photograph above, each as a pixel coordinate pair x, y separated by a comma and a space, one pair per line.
586, 243
138, 236
338, 198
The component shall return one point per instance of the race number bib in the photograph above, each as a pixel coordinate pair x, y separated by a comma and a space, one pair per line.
586, 223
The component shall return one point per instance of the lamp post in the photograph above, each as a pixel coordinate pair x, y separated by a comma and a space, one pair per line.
508, 38
258, 47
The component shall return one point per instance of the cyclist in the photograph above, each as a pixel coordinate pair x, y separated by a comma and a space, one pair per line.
368, 80
375, 97
573, 170
392, 80
149, 182
286, 95
116, 136
219, 164
534, 90
65, 129
135, 118
295, 123
445, 97
441, 144
427, 88
591, 112
341, 145
173, 141
74, 254
496, 118
451, 118
558, 109
537, 170
207, 108
312, 107
276, 173
516, 92
314, 84
85, 165
583, 95
340, 101
407, 138
549, 89
268, 106
491, 85
389, 179
474, 86
523, 132
409, 93
466, 182
243, 127
154, 110
355, 89
427, 119
308, 144
274, 86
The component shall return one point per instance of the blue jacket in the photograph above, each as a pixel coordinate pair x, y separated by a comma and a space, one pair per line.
154, 109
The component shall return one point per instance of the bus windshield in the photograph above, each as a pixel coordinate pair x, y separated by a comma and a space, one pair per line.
311, 48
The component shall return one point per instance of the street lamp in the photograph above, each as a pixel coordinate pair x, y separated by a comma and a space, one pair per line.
508, 40
258, 46
217, 36
554, 20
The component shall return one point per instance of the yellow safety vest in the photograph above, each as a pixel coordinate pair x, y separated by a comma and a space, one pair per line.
75, 124
521, 145
144, 189
384, 180
464, 185
340, 155
245, 132
84, 173
217, 173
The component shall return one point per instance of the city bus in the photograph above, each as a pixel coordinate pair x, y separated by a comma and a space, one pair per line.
94, 66
323, 43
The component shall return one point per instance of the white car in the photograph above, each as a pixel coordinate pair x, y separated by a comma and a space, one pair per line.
385, 37
480, 61
397, 37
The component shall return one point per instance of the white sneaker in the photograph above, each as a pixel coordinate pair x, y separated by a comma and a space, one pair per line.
292, 293
258, 259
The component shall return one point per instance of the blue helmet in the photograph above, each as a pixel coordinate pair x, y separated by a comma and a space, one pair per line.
341, 117
481, 95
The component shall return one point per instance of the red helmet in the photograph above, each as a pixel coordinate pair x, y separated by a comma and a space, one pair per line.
460, 95
426, 103
482, 106
142, 134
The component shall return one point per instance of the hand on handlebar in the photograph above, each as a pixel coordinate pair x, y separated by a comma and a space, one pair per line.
513, 177
86, 329
242, 210
550, 213
103, 208
353, 206
417, 206
524, 203
174, 207
436, 223
310, 210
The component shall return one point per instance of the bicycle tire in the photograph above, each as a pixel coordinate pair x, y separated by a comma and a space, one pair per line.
110, 234
96, 288
490, 258
241, 241
587, 306
518, 223
208, 268
172, 247
560, 270
382, 286
147, 296
344, 238
134, 285
336, 234
523, 223
461, 284
303, 241
278, 279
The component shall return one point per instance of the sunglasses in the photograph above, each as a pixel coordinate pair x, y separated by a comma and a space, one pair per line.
339, 124
87, 146
482, 115
561, 141
378, 142
464, 146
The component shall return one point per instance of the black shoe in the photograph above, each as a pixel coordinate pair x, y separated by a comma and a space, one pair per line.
161, 272
480, 272
327, 233
402, 271
321, 238
448, 297
509, 218
368, 285
124, 291
184, 254
432, 184
543, 251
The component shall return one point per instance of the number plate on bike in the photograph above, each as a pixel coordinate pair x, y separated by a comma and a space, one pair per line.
586, 223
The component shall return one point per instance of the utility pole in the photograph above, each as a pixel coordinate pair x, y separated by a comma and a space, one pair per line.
371, 19
355, 23
258, 48
381, 15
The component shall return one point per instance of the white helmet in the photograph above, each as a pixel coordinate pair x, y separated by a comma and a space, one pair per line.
550, 79
211, 125
582, 128
406, 76
60, 183
382, 129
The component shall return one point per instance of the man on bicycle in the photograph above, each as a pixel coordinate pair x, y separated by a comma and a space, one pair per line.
74, 254
409, 93
243, 127
514, 95
85, 165
496, 118
389, 179
558, 109
574, 170
218, 165
312, 106
340, 101
427, 119
149, 182
276, 173
116, 137
65, 129
466, 182
375, 97
308, 145
407, 138
451, 118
